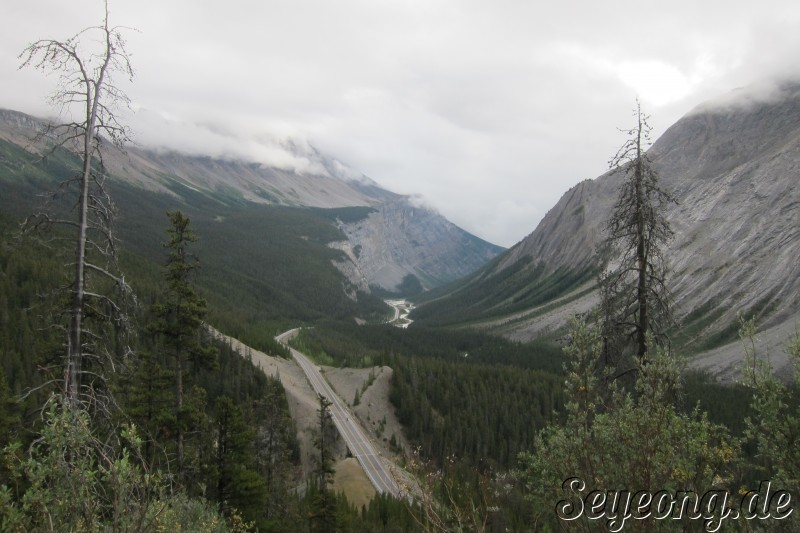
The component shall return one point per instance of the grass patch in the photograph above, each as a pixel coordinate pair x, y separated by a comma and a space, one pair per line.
350, 480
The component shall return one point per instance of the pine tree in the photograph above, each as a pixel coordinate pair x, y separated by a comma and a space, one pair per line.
624, 439
326, 433
273, 449
324, 501
179, 321
239, 486
635, 298
149, 400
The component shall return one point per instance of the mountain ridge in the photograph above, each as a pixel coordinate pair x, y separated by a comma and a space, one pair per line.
735, 171
442, 253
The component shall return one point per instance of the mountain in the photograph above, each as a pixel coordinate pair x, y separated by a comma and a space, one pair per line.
400, 239
734, 167
394, 245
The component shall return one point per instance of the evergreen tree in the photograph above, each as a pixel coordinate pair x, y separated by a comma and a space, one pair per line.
239, 486
274, 440
149, 401
324, 501
179, 322
323, 441
635, 440
635, 299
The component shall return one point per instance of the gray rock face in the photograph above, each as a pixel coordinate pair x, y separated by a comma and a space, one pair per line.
736, 173
735, 170
401, 239
396, 240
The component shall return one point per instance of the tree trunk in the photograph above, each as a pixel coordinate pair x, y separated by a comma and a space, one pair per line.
75, 348
641, 256
74, 345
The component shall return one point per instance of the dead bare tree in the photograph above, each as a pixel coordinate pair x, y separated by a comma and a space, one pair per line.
635, 298
86, 66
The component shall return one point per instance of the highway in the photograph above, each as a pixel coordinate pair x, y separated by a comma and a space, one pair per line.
402, 308
347, 425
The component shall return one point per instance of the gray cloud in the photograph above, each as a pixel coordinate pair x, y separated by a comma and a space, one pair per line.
488, 110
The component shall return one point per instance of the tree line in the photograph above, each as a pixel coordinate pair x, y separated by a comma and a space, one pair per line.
122, 416
119, 410
204, 434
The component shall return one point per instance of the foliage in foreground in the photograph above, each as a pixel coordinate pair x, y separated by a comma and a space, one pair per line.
75, 482
775, 426
625, 440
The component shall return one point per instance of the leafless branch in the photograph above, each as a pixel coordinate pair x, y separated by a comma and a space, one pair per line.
85, 69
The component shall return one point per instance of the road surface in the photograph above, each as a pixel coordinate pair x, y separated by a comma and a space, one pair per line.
349, 428
402, 308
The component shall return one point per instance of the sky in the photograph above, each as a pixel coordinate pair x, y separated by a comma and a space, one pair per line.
487, 111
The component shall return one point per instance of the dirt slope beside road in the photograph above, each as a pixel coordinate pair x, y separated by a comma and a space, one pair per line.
302, 399
374, 408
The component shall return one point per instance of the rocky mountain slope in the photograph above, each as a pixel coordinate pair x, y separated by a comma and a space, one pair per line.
411, 240
734, 167
398, 241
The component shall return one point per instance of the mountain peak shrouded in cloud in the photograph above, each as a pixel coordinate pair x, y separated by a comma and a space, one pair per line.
732, 166
387, 238
420, 202
743, 98
489, 110
224, 140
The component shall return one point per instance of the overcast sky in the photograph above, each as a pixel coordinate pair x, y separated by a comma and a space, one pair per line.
489, 110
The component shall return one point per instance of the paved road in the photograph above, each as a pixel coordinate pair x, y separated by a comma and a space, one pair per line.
352, 432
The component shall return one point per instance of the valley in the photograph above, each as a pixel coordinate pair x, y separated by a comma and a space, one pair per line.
470, 370
736, 221
402, 309
358, 444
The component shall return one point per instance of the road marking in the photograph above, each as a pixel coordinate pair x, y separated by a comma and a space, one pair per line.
347, 425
